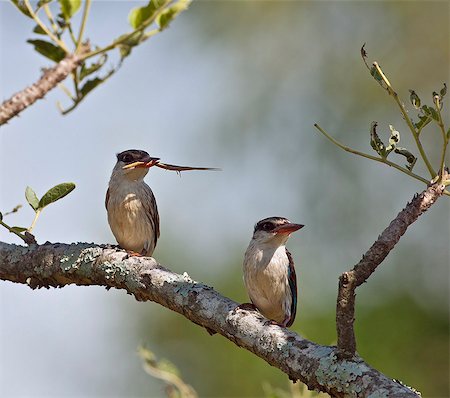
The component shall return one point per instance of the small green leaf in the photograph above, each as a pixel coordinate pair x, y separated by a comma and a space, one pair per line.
94, 67
374, 72
410, 158
38, 30
20, 4
376, 142
443, 90
18, 229
32, 198
414, 98
141, 15
48, 50
423, 121
170, 13
90, 85
69, 8
56, 193
433, 113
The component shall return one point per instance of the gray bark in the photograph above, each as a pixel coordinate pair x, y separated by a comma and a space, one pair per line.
58, 265
350, 280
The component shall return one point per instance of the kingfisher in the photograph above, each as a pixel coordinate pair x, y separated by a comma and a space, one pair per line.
130, 203
269, 273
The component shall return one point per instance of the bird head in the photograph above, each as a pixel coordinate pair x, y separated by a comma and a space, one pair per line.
133, 164
274, 231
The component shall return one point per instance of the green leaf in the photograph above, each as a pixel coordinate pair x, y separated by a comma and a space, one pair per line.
69, 8
376, 142
423, 121
448, 134
38, 30
433, 113
32, 198
410, 158
94, 67
142, 15
18, 229
443, 90
126, 46
48, 50
170, 13
374, 72
414, 98
56, 193
20, 4
90, 85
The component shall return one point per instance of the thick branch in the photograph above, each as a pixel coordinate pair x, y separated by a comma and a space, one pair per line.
58, 265
49, 80
350, 280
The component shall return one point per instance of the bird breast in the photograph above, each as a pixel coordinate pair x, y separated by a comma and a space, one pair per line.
266, 279
128, 206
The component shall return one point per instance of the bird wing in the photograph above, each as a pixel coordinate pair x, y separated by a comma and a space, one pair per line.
151, 211
107, 199
292, 278
178, 169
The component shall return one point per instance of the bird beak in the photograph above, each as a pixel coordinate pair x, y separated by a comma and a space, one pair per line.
146, 165
287, 228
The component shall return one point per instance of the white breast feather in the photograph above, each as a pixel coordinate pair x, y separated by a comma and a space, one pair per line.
127, 218
266, 279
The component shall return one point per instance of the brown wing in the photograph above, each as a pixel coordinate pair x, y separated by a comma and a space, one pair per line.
293, 287
174, 167
151, 210
107, 199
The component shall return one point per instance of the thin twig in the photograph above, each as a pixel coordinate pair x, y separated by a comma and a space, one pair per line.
84, 18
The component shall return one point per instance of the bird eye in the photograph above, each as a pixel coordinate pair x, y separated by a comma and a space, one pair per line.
268, 226
127, 158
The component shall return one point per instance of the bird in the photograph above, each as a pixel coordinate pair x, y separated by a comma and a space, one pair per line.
131, 206
269, 272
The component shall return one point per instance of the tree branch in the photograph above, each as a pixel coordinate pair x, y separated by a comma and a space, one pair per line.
350, 280
49, 80
57, 265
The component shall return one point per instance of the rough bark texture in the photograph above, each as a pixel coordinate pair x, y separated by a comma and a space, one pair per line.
49, 80
350, 280
57, 265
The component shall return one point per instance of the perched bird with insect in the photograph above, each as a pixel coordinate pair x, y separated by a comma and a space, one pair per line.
269, 273
130, 203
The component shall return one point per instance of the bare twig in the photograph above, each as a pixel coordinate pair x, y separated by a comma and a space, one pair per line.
350, 280
317, 366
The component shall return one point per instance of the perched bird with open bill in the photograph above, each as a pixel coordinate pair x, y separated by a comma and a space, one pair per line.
269, 273
130, 203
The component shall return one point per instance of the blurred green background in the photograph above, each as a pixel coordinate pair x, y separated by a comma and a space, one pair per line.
236, 85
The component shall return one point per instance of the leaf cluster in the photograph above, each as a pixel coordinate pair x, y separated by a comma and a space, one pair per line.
51, 196
57, 31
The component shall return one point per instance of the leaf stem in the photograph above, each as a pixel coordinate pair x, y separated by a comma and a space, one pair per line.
124, 38
408, 121
36, 216
87, 6
444, 137
375, 158
49, 14
59, 42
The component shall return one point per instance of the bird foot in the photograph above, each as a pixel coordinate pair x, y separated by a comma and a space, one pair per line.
272, 322
131, 253
247, 307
